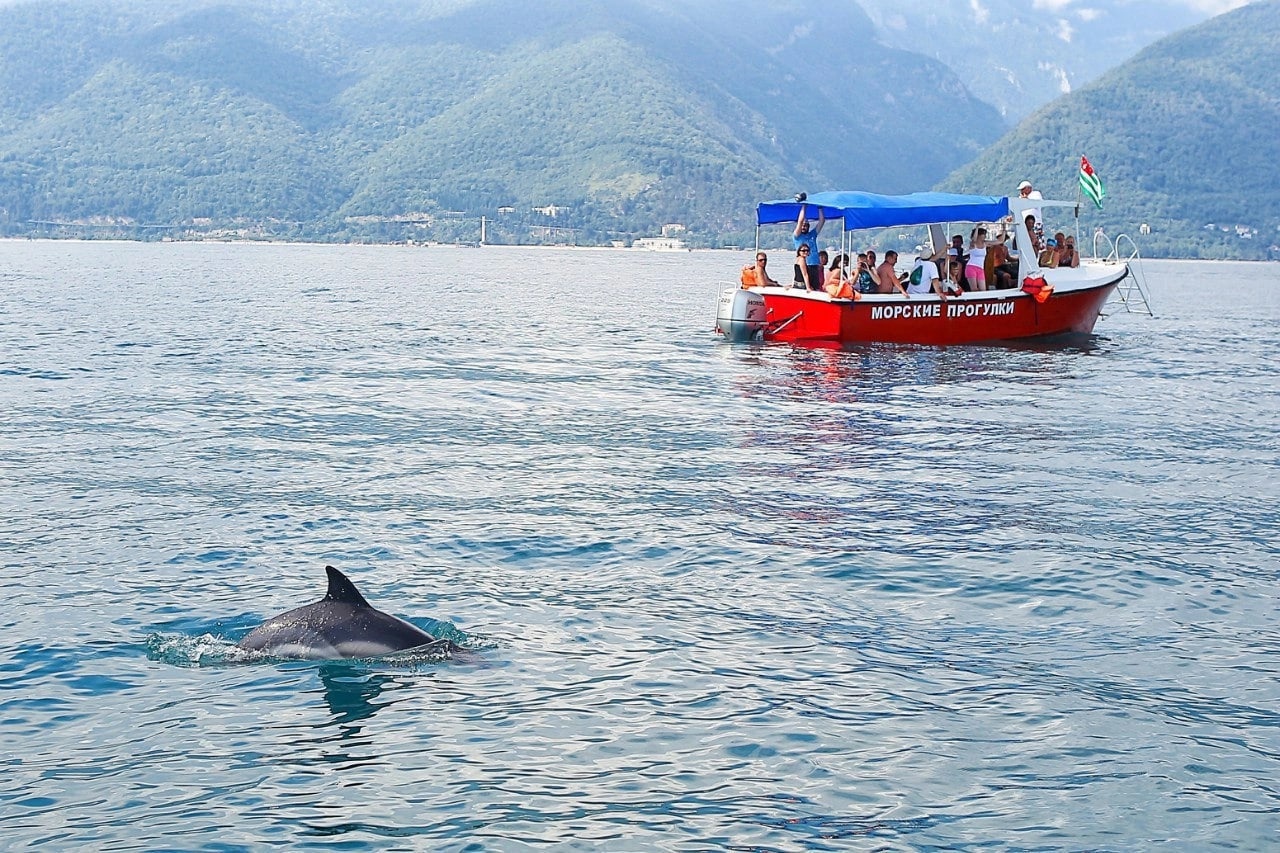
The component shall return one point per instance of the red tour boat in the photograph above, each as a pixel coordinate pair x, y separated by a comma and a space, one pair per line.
1044, 302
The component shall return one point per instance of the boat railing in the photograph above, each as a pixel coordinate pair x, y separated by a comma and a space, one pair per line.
778, 325
1100, 236
1131, 293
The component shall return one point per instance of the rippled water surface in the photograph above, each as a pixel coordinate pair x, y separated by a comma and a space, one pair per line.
725, 597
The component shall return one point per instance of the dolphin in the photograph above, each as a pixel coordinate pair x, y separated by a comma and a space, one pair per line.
341, 625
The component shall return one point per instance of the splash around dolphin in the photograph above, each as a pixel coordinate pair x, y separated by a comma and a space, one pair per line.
341, 625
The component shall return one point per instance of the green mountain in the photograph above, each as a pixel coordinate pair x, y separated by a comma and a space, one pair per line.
588, 120
1184, 137
341, 119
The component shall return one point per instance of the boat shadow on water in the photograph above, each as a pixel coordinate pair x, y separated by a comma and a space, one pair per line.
849, 372
1082, 342
1087, 343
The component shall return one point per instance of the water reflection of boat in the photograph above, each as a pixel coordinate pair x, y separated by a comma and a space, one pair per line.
855, 409
1049, 302
875, 373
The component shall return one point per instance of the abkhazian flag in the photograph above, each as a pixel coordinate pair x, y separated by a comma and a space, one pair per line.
1090, 183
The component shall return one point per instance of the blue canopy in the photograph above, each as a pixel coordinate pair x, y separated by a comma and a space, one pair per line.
870, 210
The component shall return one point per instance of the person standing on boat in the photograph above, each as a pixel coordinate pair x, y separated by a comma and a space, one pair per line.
1025, 191
887, 276
975, 271
807, 236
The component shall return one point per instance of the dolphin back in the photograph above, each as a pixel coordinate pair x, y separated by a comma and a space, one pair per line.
341, 625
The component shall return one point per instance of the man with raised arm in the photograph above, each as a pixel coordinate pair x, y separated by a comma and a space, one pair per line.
806, 236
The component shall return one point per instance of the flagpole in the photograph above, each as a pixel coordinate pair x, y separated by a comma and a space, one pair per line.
1079, 198
1079, 189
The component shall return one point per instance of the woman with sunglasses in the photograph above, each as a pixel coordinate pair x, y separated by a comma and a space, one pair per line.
807, 277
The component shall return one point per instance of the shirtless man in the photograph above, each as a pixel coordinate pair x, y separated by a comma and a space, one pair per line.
886, 278
761, 270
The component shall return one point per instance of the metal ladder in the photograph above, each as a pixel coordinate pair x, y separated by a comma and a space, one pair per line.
1131, 293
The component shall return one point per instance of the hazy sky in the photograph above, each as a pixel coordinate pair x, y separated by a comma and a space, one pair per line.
1209, 7
1216, 7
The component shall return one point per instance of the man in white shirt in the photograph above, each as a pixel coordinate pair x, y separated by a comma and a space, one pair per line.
928, 279
1025, 190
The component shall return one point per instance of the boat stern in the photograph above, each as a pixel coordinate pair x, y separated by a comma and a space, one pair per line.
740, 315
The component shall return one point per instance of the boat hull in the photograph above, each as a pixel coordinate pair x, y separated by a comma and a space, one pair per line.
1073, 307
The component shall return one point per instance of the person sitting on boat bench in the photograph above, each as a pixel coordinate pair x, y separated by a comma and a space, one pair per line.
837, 284
1004, 268
758, 276
866, 282
835, 271
928, 280
957, 252
1049, 254
1067, 254
806, 236
886, 277
806, 277
954, 284
1036, 232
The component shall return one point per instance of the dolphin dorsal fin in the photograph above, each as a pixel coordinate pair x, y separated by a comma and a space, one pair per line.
342, 589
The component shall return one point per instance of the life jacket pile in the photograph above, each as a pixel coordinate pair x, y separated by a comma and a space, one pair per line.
1037, 287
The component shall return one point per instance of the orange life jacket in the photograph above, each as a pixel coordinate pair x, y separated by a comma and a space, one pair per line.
749, 278
1037, 287
839, 289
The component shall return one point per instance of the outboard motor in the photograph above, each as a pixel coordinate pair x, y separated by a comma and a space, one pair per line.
741, 315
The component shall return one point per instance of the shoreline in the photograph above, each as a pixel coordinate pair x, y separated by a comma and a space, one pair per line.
495, 246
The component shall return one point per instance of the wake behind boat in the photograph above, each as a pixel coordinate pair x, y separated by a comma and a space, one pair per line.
1043, 302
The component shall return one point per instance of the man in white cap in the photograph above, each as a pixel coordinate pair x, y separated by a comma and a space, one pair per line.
927, 281
1025, 190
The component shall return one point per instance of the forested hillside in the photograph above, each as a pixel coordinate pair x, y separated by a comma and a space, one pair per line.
587, 121
1184, 136
343, 119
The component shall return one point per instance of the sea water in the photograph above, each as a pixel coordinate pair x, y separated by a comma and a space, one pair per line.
754, 597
